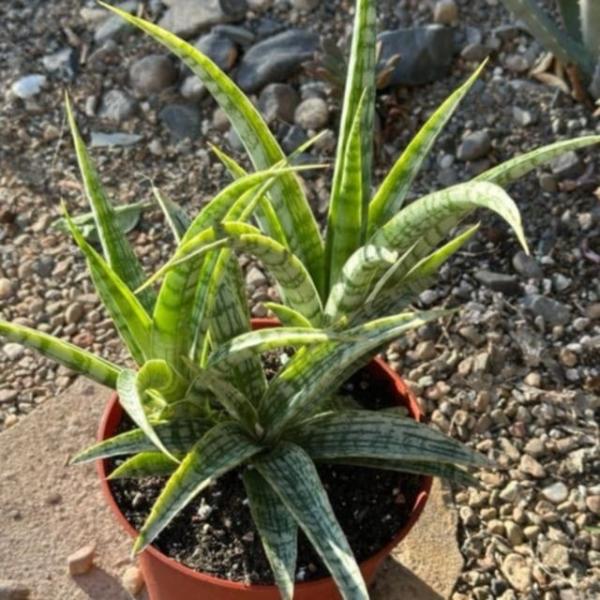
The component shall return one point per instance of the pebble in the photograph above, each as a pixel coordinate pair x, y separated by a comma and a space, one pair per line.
63, 63
275, 59
514, 533
74, 313
474, 146
555, 556
445, 12
6, 288
523, 117
567, 166
219, 48
117, 106
532, 467
517, 572
593, 504
133, 580
499, 282
548, 183
13, 351
100, 139
10, 420
312, 114
556, 493
427, 53
527, 266
305, 5
13, 590
182, 121
152, 74
81, 561
7, 395
255, 278
114, 27
552, 311
593, 311
186, 18
28, 86
278, 101
192, 88
517, 63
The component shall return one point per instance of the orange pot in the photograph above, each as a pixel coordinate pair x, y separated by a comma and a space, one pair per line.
167, 579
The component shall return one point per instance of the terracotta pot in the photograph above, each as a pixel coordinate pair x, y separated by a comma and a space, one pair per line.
167, 579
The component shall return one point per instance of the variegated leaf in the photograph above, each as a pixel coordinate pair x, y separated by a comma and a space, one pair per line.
293, 476
178, 436
176, 217
68, 355
287, 316
277, 528
144, 464
392, 192
221, 449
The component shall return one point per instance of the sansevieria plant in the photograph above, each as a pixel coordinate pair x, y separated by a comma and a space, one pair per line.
199, 398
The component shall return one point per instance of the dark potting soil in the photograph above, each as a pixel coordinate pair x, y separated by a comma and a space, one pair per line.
215, 533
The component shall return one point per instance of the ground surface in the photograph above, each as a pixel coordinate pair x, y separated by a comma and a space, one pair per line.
517, 381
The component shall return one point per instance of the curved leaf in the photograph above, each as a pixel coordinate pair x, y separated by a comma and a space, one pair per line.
68, 355
144, 464
287, 316
221, 449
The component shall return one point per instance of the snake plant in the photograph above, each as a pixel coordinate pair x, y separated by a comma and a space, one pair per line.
199, 397
578, 43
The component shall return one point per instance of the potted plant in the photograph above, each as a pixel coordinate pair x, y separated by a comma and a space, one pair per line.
203, 407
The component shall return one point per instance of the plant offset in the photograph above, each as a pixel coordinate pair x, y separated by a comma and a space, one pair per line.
200, 398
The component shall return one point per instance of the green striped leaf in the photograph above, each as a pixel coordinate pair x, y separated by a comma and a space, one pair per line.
515, 168
360, 81
293, 476
256, 342
221, 449
79, 360
287, 316
311, 376
158, 375
144, 464
571, 16
132, 399
127, 313
116, 249
355, 280
278, 531
450, 473
178, 436
382, 435
393, 191
287, 197
345, 230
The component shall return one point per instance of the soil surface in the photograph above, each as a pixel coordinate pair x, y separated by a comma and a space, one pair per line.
215, 534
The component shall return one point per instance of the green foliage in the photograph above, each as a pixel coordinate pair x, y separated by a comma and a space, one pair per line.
576, 44
199, 398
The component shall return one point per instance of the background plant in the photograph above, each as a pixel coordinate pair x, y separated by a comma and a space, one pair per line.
199, 397
578, 43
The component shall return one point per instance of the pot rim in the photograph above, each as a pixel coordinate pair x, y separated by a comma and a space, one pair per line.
113, 412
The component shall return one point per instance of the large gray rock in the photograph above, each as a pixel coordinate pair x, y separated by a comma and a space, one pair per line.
426, 53
188, 17
276, 58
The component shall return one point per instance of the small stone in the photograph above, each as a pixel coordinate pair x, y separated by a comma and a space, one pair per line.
8, 395
82, 560
63, 63
535, 447
219, 48
517, 63
132, 580
593, 504
499, 282
13, 351
533, 379
10, 420
527, 266
182, 121
74, 313
567, 166
556, 493
6, 288
523, 117
496, 527
278, 101
445, 12
552, 311
514, 533
255, 278
474, 146
593, 311
548, 183
305, 5
532, 467
425, 350
117, 106
555, 556
517, 571
114, 27
312, 114
28, 86
13, 590
193, 89
99, 139
152, 74
295, 137
567, 358
275, 59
